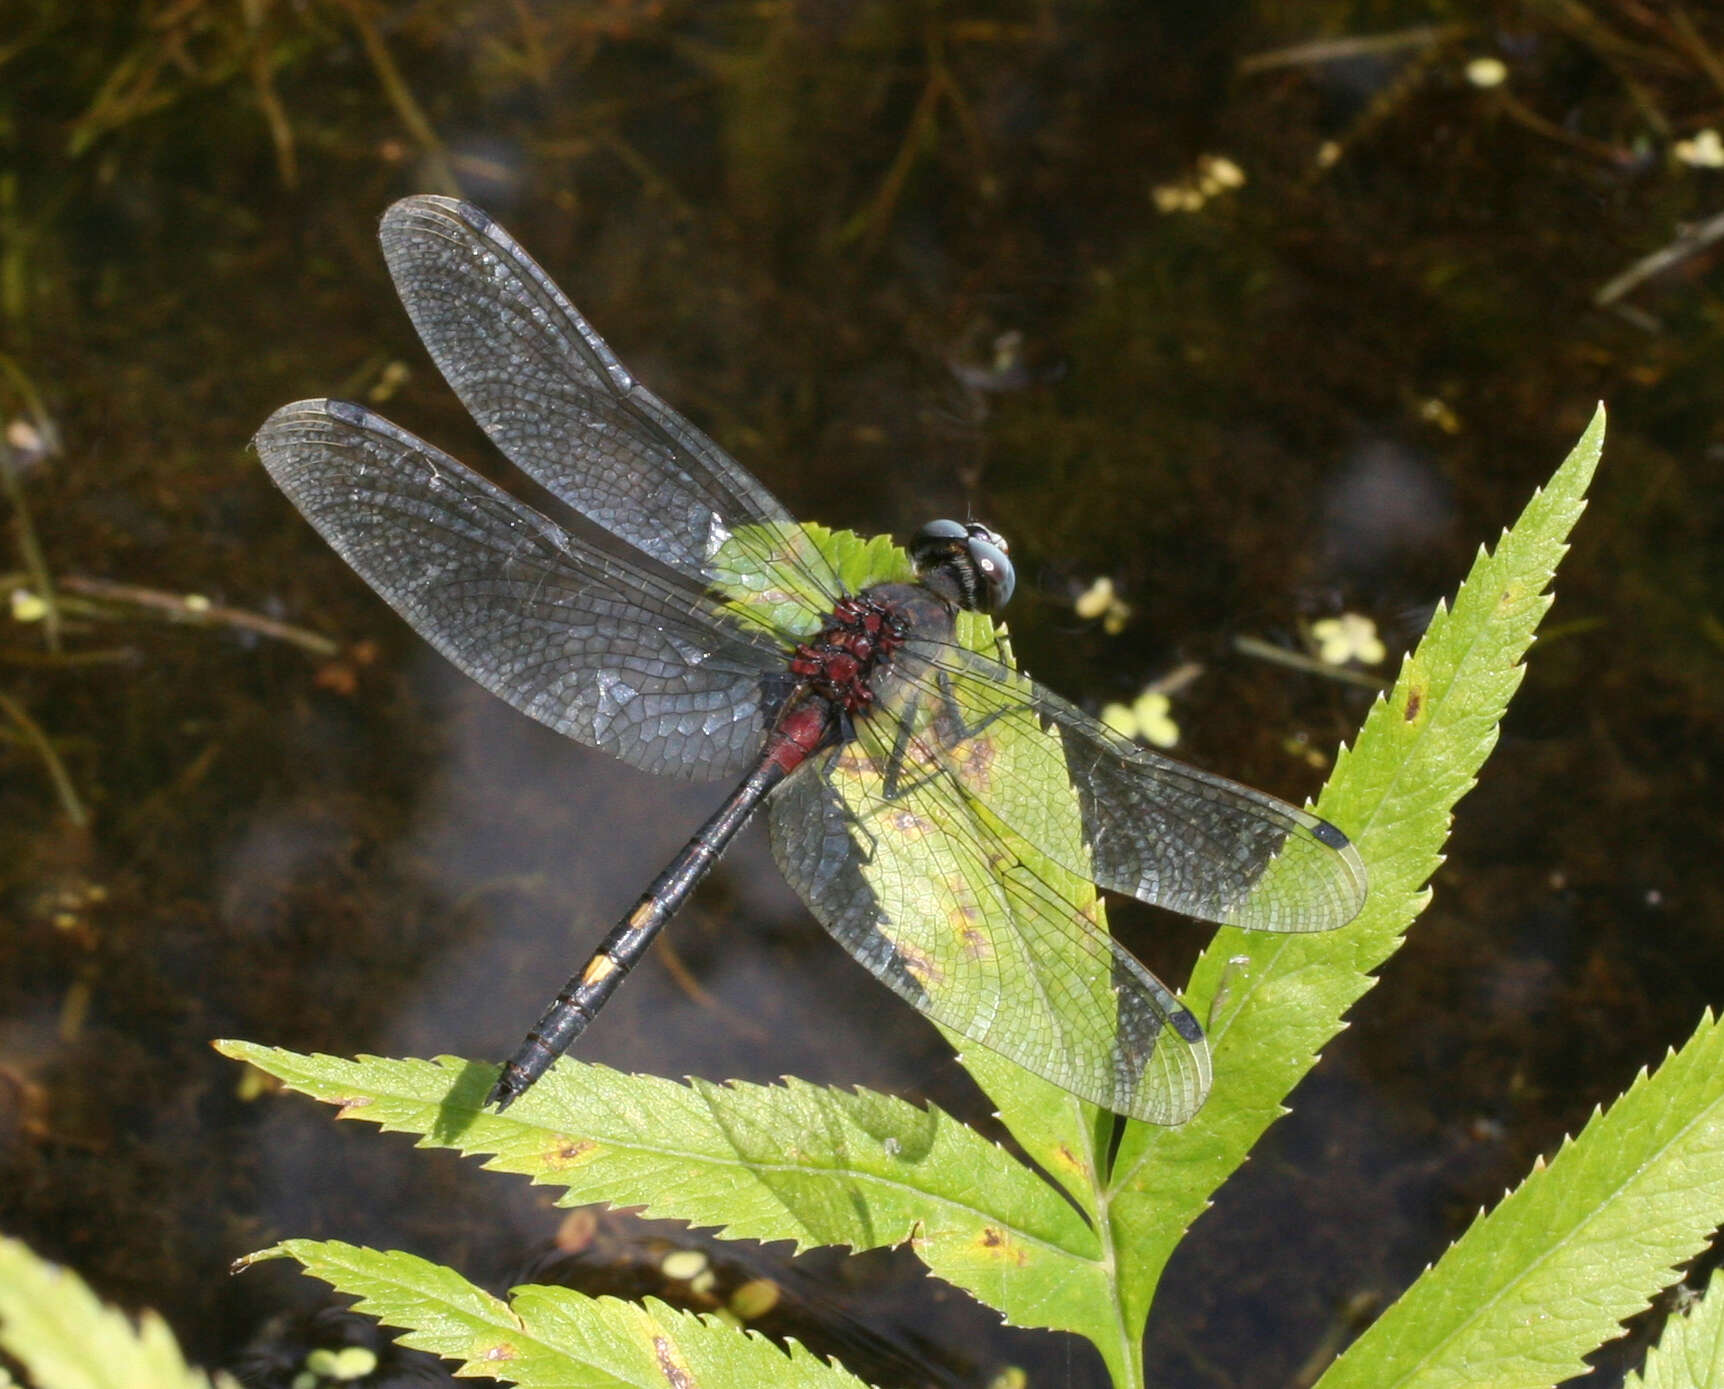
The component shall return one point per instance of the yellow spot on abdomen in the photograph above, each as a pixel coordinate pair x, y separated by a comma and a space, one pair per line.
599, 967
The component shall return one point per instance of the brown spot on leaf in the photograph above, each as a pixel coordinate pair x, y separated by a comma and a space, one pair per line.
675, 1375
567, 1152
975, 761
972, 939
908, 822
1069, 1160
998, 1240
1415, 702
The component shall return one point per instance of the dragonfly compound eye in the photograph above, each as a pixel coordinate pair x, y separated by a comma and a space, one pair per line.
997, 577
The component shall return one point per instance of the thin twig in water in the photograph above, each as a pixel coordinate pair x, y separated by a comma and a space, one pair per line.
1697, 47
869, 225
1337, 50
677, 968
191, 608
65, 660
269, 103
1522, 114
1689, 242
33, 734
1267, 651
402, 99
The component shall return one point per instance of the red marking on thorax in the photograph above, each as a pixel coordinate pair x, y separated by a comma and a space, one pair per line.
839, 663
837, 666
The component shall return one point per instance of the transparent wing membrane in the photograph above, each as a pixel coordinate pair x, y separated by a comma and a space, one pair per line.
954, 847
977, 930
558, 403
591, 643
1154, 829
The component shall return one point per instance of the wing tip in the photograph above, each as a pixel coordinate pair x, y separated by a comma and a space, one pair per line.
1335, 838
1358, 878
1330, 834
283, 418
434, 207
297, 413
1185, 1077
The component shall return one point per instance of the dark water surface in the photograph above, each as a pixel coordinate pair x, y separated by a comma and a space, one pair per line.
905, 261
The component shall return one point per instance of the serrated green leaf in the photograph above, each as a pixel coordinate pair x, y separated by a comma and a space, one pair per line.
63, 1336
548, 1337
792, 1162
1690, 1353
1550, 1273
1067, 1137
768, 572
1392, 793
821, 1166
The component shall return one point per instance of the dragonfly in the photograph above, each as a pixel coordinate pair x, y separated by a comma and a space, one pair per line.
949, 821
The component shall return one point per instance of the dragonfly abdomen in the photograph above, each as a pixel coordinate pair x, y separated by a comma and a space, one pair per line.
805, 726
588, 990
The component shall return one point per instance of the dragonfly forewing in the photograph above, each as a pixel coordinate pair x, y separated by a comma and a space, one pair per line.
555, 399
595, 645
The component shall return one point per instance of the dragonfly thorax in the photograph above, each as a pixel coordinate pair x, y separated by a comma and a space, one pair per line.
839, 664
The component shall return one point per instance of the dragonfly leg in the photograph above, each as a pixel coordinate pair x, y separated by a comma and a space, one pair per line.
945, 732
951, 718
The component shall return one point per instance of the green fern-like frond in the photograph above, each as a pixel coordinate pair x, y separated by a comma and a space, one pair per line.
1549, 1274
546, 1337
1393, 793
1083, 1253
798, 1162
54, 1326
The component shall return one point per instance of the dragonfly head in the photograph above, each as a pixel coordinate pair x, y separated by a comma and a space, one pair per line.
965, 562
